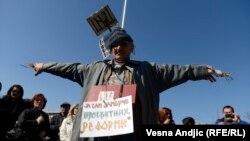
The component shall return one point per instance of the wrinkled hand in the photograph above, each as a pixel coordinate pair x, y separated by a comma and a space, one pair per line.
40, 119
38, 67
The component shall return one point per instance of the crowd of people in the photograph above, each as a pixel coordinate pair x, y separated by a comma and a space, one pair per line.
28, 116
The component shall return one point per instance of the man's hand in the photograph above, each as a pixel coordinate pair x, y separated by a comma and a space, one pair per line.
236, 118
38, 67
219, 73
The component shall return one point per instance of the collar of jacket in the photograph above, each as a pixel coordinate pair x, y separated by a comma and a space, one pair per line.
128, 71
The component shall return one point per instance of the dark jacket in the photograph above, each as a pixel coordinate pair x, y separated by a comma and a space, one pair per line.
55, 124
27, 122
9, 112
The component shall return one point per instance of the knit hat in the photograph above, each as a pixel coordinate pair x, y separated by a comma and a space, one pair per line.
116, 36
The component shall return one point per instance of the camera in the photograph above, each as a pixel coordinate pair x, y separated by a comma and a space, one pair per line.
229, 118
229, 115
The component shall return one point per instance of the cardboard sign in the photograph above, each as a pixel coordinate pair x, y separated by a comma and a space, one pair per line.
108, 111
102, 20
107, 118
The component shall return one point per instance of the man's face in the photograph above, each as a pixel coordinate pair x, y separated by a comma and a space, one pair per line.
227, 111
65, 109
121, 51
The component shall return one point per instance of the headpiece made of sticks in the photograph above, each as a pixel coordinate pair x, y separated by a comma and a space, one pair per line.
103, 20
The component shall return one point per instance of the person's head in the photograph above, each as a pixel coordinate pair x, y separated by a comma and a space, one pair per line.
39, 101
15, 92
188, 121
120, 44
228, 112
73, 110
165, 113
65, 106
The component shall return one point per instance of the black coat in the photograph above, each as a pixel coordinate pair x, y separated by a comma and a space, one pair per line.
9, 112
27, 122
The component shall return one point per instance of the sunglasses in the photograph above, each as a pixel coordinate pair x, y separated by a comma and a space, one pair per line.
121, 43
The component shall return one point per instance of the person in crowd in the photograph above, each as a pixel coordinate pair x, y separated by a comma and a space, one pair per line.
166, 116
230, 117
34, 121
188, 121
67, 124
11, 106
150, 79
57, 119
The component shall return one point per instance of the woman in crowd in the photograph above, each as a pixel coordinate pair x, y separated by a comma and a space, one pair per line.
11, 106
34, 121
165, 116
67, 124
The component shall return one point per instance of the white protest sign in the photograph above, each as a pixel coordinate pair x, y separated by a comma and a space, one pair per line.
107, 118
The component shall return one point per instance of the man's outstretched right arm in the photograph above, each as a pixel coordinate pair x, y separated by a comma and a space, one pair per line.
71, 71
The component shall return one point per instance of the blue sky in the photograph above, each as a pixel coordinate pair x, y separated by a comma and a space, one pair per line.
214, 32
